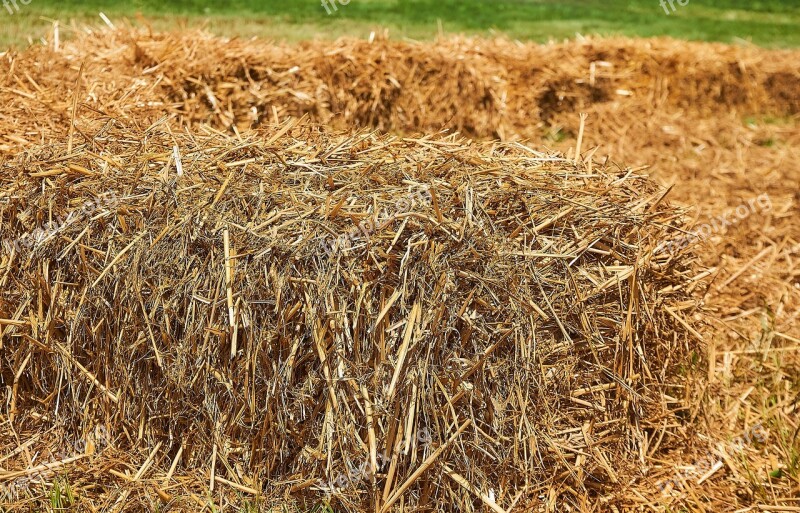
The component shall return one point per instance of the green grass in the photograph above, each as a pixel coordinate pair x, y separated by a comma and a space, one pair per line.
61, 496
773, 23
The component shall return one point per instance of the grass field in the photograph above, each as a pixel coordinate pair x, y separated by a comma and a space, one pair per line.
771, 23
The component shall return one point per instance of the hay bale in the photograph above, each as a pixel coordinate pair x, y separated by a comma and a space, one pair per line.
477, 323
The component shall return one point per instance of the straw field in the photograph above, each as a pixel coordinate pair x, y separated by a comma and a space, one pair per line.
373, 275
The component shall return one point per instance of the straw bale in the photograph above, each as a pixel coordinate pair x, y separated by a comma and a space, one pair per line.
496, 324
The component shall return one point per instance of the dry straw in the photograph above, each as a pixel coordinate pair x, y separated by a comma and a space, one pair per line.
486, 88
520, 317
522, 303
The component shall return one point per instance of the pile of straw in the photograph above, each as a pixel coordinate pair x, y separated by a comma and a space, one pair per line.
464, 324
318, 316
483, 88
